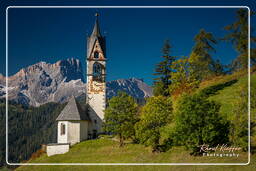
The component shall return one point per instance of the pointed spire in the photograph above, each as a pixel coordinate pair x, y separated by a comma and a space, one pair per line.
96, 29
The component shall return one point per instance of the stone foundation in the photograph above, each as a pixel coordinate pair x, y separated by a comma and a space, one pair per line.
57, 148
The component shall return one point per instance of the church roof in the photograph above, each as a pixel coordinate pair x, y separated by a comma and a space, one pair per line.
73, 111
96, 35
96, 29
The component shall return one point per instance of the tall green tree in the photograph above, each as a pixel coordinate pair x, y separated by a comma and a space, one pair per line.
155, 114
163, 71
182, 79
120, 116
200, 59
198, 122
238, 36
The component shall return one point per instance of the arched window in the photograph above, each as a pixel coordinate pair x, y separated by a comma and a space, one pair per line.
96, 54
96, 69
62, 129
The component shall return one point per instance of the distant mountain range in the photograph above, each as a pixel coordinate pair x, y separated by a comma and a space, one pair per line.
44, 82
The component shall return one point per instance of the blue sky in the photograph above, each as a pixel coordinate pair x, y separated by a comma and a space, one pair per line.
134, 36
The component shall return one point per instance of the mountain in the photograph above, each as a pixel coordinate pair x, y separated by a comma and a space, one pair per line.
44, 82
133, 86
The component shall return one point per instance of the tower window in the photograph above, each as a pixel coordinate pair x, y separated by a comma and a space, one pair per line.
96, 69
96, 54
62, 129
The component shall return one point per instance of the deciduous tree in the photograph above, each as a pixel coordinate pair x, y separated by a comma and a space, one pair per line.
155, 114
120, 116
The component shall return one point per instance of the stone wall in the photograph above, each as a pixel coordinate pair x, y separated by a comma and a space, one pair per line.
60, 148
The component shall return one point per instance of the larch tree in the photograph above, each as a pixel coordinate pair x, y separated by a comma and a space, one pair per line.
200, 59
238, 36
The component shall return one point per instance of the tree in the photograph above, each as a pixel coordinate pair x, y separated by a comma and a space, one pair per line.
198, 122
200, 58
238, 36
182, 79
155, 114
218, 68
120, 116
163, 70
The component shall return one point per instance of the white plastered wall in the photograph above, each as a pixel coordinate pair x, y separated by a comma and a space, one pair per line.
63, 138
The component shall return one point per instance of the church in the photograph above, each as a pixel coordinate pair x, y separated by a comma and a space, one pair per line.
75, 122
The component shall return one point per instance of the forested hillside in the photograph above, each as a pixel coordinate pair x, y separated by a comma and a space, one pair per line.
28, 128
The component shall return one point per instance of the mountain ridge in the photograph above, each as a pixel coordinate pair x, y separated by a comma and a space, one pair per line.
45, 82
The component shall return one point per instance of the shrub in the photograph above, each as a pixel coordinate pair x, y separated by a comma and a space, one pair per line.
198, 122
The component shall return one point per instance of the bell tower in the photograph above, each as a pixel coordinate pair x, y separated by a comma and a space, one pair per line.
96, 77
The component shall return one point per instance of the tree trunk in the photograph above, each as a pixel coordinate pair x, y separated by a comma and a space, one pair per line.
121, 141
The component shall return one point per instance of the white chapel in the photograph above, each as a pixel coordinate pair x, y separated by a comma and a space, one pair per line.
75, 122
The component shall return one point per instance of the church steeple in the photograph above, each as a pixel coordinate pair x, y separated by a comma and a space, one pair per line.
96, 77
96, 29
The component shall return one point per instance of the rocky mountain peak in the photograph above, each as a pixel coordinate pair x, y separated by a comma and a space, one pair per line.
45, 82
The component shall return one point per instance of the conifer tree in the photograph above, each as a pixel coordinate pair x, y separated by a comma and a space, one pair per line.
163, 71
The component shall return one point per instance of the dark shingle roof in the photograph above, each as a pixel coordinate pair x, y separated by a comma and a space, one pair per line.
73, 111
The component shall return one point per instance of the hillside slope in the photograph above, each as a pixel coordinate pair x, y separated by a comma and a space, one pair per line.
107, 151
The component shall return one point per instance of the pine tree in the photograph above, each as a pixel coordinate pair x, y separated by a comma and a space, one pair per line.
163, 71
120, 116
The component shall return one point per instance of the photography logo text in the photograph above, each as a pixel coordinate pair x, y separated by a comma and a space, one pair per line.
221, 150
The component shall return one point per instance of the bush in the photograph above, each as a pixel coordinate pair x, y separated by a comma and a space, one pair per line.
198, 122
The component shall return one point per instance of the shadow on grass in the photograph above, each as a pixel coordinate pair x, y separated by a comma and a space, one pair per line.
212, 90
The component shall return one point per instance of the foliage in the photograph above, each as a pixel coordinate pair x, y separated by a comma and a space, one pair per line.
163, 70
238, 36
155, 114
182, 79
200, 59
198, 122
158, 89
28, 128
218, 68
120, 116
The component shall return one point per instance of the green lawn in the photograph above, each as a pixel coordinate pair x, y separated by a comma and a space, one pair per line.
108, 151
228, 96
